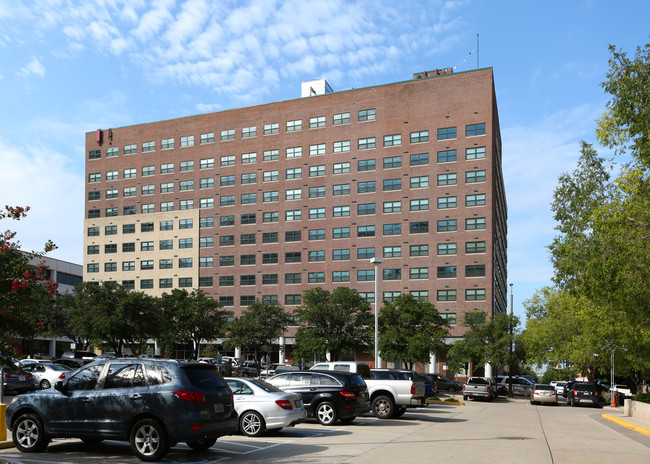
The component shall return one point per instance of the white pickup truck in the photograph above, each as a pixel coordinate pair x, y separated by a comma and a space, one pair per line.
391, 391
480, 387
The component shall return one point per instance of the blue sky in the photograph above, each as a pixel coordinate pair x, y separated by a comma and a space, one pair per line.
69, 67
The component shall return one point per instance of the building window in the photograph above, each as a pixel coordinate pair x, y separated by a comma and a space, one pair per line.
207, 138
341, 118
420, 227
271, 155
94, 178
92, 250
341, 146
318, 255
270, 196
110, 267
475, 200
111, 175
366, 143
366, 165
269, 258
227, 240
165, 144
249, 158
128, 265
227, 160
113, 211
147, 227
146, 265
293, 278
475, 270
167, 168
206, 261
227, 181
228, 134
247, 280
185, 282
227, 200
110, 230
271, 128
392, 184
92, 267
474, 129
391, 296
474, 176
446, 295
475, 294
293, 215
392, 207
149, 146
293, 126
148, 189
392, 252
340, 255
248, 198
269, 279
445, 133
416, 273
206, 183
187, 166
270, 237
419, 159
317, 149
165, 283
94, 195
187, 141
249, 218
475, 223
110, 248
447, 249
447, 202
392, 140
341, 232
340, 276
206, 222
446, 272
148, 171
316, 213
112, 152
294, 173
419, 250
187, 204
206, 242
366, 187
111, 193
185, 243
393, 162
365, 209
366, 253
186, 185
130, 149
292, 299
206, 281
341, 211
393, 229
315, 192
166, 206
367, 115
420, 136
341, 189
225, 261
248, 239
270, 216
341, 168
447, 156
365, 275
294, 152
248, 132
421, 295
93, 231
315, 123
447, 179
207, 163
95, 154
392, 274
474, 153
148, 208
316, 171
316, 277
166, 245
227, 300
292, 257
365, 231
166, 225
474, 247
447, 225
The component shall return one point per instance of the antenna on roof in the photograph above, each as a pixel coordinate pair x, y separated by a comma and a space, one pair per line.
477, 50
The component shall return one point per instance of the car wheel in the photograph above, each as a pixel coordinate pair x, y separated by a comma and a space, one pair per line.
29, 434
326, 413
383, 407
464, 398
45, 384
573, 402
202, 444
451, 390
149, 440
251, 424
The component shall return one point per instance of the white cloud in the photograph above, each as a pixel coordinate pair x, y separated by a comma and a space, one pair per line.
33, 68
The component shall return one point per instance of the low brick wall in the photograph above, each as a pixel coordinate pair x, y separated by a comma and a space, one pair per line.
637, 409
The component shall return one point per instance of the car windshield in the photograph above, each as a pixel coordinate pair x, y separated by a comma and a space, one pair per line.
267, 387
206, 378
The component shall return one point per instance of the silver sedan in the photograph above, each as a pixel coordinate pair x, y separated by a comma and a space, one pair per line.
543, 394
47, 374
262, 406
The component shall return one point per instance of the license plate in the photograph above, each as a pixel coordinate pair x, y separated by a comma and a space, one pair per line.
218, 407
21, 378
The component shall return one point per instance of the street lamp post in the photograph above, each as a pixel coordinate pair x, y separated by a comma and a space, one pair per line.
510, 347
376, 261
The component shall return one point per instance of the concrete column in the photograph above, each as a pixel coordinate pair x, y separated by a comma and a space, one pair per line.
52, 349
282, 343
238, 352
488, 370
433, 360
381, 362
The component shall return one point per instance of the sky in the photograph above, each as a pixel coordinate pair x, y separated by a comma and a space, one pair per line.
69, 67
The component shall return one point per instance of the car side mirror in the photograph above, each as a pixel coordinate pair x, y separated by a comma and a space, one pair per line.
59, 386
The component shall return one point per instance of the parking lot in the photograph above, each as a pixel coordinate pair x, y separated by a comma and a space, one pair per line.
501, 431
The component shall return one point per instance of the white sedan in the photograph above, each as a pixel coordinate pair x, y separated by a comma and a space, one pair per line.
623, 389
262, 406
47, 374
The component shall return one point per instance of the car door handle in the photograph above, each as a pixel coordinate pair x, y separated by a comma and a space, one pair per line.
137, 396
313, 389
85, 399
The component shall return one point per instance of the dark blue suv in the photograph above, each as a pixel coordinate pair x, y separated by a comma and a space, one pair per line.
153, 404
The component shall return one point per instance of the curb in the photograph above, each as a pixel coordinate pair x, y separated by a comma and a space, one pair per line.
6, 444
455, 403
629, 425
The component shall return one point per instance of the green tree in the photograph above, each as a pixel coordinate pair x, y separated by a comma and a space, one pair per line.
25, 292
258, 328
487, 342
410, 330
336, 322
190, 318
142, 320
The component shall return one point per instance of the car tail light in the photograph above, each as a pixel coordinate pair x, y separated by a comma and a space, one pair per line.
348, 395
62, 376
463, 387
413, 389
284, 404
9, 376
189, 395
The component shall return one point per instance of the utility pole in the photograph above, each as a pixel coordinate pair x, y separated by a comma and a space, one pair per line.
510, 347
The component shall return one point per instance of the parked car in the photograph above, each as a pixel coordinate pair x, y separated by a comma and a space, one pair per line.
270, 370
543, 394
623, 389
262, 406
521, 386
47, 374
480, 387
328, 396
71, 363
360, 368
176, 402
559, 388
393, 391
16, 380
248, 368
584, 393
208, 361
445, 384
89, 355
430, 388
229, 359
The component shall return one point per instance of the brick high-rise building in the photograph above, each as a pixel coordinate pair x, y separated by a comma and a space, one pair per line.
271, 200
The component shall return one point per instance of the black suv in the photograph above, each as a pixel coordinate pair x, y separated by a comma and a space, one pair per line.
584, 393
153, 404
327, 395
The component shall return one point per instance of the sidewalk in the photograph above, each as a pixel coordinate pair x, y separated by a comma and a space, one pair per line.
633, 423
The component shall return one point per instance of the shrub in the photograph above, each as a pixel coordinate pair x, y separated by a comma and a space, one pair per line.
643, 398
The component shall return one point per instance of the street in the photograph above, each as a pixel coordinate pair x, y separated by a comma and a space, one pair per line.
502, 431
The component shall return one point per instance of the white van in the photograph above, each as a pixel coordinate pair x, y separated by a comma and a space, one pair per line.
344, 366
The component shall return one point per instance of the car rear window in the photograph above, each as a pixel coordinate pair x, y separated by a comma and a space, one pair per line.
205, 377
357, 380
477, 381
544, 387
